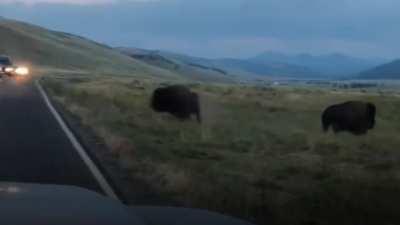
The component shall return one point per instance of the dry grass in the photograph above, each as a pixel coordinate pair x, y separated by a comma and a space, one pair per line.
260, 153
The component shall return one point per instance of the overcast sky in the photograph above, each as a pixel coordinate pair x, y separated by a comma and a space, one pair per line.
225, 28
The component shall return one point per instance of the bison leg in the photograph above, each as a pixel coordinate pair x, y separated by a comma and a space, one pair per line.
360, 132
182, 135
325, 127
360, 128
336, 128
198, 116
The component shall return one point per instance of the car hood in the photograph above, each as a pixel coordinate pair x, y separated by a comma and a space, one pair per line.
27, 204
56, 204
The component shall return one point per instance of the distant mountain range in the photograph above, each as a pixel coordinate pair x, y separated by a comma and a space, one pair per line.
268, 64
331, 65
245, 68
45, 48
389, 70
188, 67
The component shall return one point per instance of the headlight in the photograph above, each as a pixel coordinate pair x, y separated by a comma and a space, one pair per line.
9, 69
22, 71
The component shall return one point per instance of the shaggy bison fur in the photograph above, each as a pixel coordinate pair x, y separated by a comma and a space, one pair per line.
354, 116
177, 100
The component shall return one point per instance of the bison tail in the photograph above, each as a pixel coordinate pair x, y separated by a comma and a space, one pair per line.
153, 102
198, 116
371, 111
325, 123
325, 127
197, 107
157, 102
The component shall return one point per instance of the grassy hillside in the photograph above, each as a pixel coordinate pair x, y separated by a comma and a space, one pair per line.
185, 68
222, 68
40, 47
244, 68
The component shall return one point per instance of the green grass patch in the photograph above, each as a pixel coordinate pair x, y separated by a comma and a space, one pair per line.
260, 153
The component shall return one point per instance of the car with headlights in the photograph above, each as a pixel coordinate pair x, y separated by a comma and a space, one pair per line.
8, 68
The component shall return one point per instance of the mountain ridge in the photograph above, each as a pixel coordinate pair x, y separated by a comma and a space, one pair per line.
330, 65
275, 64
241, 68
390, 70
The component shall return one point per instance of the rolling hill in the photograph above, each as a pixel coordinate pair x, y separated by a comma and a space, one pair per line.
273, 69
44, 48
185, 68
225, 67
386, 71
245, 68
267, 65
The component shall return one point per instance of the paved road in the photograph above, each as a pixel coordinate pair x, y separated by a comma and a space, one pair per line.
33, 147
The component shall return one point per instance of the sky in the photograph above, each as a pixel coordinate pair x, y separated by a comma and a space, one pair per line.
225, 28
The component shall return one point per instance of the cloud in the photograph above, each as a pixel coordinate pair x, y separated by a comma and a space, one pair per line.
70, 2
224, 27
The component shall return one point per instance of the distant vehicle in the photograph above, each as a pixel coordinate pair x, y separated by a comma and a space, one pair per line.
8, 68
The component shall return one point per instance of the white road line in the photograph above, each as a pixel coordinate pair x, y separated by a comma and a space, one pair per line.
81, 151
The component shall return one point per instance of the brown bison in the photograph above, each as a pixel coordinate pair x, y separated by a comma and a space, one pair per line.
354, 116
177, 100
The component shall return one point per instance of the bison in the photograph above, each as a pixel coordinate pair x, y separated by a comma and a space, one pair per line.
177, 100
355, 117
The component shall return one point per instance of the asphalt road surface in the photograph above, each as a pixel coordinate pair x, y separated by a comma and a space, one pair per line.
33, 147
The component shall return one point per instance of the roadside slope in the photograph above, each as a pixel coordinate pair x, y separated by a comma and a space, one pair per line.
42, 47
187, 69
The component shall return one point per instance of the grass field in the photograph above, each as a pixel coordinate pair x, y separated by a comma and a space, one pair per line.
260, 153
